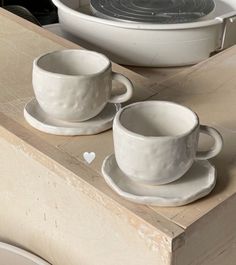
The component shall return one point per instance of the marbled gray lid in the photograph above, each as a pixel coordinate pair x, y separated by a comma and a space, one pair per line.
152, 11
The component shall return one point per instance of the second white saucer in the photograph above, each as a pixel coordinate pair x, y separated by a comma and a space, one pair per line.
195, 184
38, 119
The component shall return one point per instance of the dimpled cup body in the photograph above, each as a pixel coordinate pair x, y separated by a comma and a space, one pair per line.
68, 89
75, 98
151, 159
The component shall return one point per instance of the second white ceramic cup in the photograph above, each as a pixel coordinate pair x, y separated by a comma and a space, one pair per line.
76, 85
156, 141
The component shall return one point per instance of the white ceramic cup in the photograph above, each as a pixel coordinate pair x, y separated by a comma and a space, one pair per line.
156, 141
76, 85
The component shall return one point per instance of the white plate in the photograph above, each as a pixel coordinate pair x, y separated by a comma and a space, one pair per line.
41, 121
195, 184
10, 255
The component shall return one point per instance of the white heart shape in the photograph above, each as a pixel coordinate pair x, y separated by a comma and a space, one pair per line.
89, 157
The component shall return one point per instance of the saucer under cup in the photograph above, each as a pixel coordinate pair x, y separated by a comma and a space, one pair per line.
196, 183
38, 119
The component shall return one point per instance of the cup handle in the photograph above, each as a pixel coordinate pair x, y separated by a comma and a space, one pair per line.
203, 155
129, 89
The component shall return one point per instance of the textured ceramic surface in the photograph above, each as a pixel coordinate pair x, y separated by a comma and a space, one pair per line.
43, 122
156, 141
146, 44
76, 85
196, 183
10, 255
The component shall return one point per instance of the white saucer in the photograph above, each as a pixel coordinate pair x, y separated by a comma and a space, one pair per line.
41, 121
195, 184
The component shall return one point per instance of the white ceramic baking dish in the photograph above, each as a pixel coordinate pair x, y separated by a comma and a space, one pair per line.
154, 45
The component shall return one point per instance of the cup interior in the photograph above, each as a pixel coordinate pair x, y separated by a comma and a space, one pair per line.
158, 118
73, 62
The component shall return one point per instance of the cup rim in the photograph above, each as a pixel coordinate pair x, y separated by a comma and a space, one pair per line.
39, 68
118, 123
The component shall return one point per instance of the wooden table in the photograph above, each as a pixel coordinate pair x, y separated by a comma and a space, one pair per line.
59, 207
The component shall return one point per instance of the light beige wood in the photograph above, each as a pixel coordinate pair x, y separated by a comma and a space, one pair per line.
24, 41
212, 239
200, 233
50, 211
210, 230
209, 89
21, 43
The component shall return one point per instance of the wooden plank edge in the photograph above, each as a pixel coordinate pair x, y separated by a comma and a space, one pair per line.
149, 224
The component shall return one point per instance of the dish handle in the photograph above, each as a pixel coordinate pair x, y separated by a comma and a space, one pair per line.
228, 36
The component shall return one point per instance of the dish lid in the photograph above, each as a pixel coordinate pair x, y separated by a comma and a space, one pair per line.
152, 11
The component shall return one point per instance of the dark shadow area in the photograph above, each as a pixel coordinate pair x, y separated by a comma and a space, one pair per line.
44, 11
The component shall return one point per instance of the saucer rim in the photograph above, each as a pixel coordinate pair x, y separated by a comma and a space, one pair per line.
67, 131
155, 200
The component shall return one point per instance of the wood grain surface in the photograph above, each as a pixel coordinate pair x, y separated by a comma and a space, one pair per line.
209, 88
20, 43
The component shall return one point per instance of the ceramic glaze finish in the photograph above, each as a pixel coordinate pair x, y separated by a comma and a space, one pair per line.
75, 85
150, 44
156, 142
43, 122
196, 183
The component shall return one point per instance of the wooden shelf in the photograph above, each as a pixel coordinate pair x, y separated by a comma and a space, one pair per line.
59, 207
